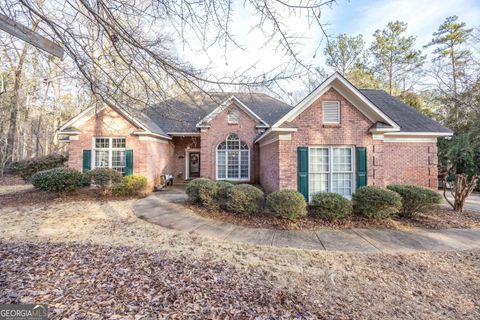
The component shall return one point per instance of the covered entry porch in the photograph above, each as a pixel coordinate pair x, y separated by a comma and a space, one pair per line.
186, 158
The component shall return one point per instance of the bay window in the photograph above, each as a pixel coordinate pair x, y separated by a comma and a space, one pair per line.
233, 159
331, 170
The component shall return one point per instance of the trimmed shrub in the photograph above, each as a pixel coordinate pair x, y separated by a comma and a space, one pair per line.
58, 180
27, 168
331, 206
194, 186
376, 203
415, 199
104, 178
130, 186
207, 194
221, 197
289, 204
244, 199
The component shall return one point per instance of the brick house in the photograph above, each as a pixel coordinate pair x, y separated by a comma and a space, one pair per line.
336, 139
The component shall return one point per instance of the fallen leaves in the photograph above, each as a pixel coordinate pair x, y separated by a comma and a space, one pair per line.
82, 281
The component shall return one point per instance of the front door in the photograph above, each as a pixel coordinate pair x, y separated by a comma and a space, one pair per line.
194, 164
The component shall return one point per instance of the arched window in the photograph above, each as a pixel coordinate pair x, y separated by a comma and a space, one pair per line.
233, 159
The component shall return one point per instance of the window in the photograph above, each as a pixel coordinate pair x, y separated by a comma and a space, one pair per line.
319, 170
331, 170
233, 159
109, 153
232, 117
331, 112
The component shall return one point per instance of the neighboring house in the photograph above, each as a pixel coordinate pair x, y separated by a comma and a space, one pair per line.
336, 139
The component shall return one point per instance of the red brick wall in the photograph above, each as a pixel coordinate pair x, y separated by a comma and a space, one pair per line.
150, 156
218, 132
159, 156
411, 163
353, 130
274, 164
269, 166
387, 162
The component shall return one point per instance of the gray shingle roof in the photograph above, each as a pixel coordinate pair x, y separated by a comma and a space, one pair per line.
144, 119
182, 113
409, 119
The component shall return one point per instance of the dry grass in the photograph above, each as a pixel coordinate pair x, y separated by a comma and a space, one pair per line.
342, 285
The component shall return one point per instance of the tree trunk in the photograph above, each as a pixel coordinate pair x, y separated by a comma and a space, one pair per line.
12, 130
462, 191
454, 70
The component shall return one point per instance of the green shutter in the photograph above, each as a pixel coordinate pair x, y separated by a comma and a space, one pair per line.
361, 167
87, 158
302, 169
128, 162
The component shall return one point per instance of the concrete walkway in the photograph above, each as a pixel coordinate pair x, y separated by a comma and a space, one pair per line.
166, 210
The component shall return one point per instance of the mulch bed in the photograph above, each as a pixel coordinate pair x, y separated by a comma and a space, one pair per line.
34, 197
92, 282
443, 218
440, 218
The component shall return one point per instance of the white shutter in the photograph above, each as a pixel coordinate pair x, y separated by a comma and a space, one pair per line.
331, 112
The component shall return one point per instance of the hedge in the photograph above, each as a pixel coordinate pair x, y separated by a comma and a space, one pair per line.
289, 204
244, 199
58, 180
27, 168
104, 178
416, 199
330, 206
376, 203
130, 186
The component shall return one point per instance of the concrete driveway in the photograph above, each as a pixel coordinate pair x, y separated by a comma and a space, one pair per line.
166, 209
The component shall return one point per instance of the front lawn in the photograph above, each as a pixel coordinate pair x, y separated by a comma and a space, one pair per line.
91, 257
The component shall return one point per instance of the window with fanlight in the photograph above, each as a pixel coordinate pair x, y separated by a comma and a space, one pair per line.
233, 159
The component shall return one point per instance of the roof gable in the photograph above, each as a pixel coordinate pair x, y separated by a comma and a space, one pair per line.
135, 117
349, 92
388, 114
209, 117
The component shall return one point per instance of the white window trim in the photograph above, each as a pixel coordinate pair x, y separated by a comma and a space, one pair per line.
187, 160
226, 164
110, 149
339, 112
330, 167
226, 161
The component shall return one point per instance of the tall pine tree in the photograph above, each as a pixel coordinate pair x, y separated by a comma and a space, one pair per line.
344, 53
451, 64
447, 40
394, 57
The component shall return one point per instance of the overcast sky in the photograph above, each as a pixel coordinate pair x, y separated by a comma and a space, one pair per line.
354, 17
